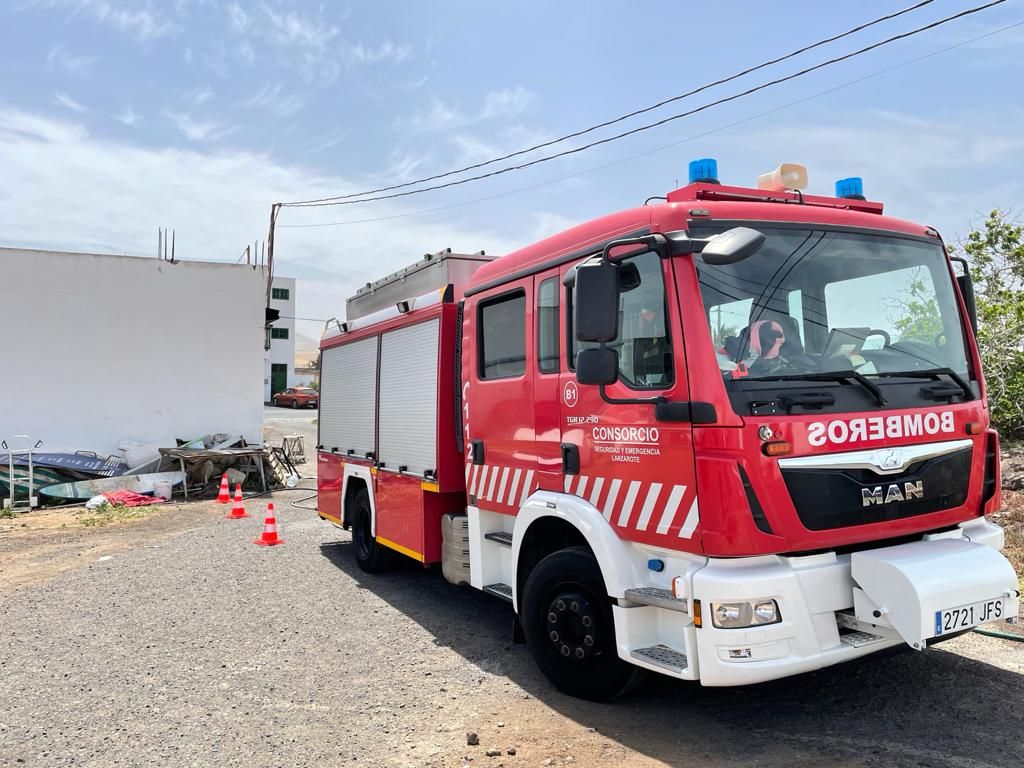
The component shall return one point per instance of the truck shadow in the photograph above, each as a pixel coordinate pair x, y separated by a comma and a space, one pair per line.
936, 708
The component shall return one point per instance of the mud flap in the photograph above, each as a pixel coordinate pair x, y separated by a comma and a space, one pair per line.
907, 587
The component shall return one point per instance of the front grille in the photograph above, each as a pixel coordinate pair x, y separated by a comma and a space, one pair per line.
833, 498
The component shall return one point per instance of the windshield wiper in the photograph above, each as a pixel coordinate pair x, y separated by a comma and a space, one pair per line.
840, 376
933, 373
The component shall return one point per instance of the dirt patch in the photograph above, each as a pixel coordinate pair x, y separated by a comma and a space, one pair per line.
41, 544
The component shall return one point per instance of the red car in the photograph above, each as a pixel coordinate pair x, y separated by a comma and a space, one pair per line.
297, 397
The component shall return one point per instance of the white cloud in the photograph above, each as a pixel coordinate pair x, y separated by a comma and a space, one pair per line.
440, 116
199, 96
128, 116
61, 185
142, 24
61, 58
386, 51
238, 17
507, 102
198, 130
307, 43
932, 171
276, 99
292, 29
67, 102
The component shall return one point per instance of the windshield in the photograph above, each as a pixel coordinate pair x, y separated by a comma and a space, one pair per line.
815, 301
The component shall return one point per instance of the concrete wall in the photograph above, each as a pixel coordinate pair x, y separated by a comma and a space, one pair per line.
96, 349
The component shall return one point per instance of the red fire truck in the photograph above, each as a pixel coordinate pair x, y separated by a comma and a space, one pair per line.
729, 436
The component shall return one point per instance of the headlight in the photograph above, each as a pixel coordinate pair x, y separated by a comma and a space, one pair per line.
750, 613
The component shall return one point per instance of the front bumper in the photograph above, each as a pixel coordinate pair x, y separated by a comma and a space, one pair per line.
816, 596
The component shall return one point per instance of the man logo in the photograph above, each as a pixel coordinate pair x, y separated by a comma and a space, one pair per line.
891, 460
893, 493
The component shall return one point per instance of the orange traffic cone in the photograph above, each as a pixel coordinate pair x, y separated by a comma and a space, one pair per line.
269, 537
238, 510
224, 497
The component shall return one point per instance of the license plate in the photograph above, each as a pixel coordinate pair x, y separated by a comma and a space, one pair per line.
967, 616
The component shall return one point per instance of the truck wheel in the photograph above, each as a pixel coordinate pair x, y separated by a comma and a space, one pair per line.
567, 621
370, 556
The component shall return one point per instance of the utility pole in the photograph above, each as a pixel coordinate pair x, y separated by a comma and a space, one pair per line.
274, 210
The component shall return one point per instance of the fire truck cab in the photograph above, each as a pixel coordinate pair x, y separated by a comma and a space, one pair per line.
732, 436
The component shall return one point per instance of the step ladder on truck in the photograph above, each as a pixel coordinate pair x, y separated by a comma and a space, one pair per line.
729, 437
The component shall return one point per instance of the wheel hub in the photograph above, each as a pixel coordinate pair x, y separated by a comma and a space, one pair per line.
573, 626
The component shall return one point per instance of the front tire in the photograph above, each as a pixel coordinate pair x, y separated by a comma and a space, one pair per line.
371, 557
295, 404
568, 624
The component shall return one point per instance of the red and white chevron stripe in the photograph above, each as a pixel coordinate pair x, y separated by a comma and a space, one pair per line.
636, 504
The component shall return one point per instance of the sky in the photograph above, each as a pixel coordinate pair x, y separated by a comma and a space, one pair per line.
118, 117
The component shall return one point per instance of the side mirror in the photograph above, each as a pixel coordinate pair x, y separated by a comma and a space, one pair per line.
596, 307
732, 246
598, 365
966, 285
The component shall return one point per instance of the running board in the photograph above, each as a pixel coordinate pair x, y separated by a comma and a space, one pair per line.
856, 639
504, 591
659, 598
662, 656
502, 537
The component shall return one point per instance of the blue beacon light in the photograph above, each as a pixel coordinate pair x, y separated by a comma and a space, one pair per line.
704, 171
851, 188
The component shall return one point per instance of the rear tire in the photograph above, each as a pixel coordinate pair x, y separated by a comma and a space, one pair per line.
568, 625
371, 557
295, 403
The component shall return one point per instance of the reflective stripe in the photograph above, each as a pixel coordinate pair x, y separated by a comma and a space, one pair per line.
494, 481
648, 508
527, 487
472, 483
595, 494
613, 493
513, 487
627, 505
582, 487
501, 487
568, 483
690, 524
670, 508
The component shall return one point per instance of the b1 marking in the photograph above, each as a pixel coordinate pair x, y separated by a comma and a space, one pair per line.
570, 394
968, 616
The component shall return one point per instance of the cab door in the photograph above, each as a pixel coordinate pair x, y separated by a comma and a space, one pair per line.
618, 457
498, 364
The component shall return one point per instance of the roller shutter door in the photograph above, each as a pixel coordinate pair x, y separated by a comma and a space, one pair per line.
348, 385
408, 397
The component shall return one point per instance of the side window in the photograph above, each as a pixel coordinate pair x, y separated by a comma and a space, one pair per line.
547, 326
502, 337
644, 343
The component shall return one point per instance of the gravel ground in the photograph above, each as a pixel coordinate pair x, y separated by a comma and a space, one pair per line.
199, 649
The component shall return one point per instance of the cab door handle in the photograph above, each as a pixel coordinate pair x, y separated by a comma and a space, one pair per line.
570, 459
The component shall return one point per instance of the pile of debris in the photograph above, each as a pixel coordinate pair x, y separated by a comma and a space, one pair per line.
29, 476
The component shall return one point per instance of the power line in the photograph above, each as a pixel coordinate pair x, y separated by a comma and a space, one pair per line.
662, 148
723, 100
634, 113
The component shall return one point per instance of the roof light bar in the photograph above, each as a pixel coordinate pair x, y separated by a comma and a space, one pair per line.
704, 171
851, 188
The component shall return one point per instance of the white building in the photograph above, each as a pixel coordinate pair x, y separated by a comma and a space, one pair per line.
279, 360
99, 349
